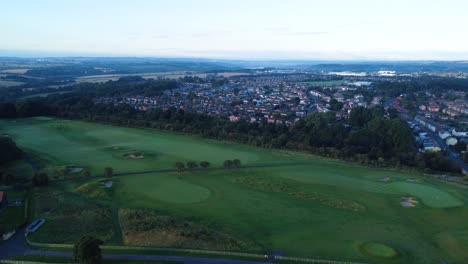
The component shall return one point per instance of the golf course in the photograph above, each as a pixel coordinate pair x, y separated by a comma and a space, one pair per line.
291, 203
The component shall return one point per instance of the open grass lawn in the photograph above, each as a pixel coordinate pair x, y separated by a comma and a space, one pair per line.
5, 83
325, 83
323, 208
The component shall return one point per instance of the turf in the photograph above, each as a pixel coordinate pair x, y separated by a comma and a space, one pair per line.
323, 208
325, 83
378, 250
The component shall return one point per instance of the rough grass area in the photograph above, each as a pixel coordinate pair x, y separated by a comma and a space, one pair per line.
13, 216
69, 217
282, 187
148, 228
95, 189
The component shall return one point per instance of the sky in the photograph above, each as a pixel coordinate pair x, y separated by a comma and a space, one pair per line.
237, 29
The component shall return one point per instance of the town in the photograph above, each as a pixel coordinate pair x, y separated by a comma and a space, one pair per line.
439, 121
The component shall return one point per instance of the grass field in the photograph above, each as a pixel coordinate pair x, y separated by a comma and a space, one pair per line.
42, 94
319, 208
155, 75
5, 83
325, 83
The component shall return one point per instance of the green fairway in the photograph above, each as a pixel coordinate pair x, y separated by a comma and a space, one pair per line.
325, 83
378, 250
306, 206
167, 188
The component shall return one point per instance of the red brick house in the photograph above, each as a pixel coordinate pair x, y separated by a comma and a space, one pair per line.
3, 200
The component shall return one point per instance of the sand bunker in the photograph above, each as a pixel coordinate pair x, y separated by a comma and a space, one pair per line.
134, 155
106, 184
413, 180
385, 179
73, 170
408, 201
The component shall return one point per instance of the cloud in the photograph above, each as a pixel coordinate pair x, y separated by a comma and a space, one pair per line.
284, 31
304, 33
213, 33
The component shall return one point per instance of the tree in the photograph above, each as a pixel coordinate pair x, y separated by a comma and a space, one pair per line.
8, 150
40, 179
236, 163
192, 164
204, 164
8, 179
86, 173
227, 164
108, 171
87, 250
7, 110
335, 105
180, 166
359, 116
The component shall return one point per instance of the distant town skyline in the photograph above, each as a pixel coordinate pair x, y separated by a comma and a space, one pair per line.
258, 30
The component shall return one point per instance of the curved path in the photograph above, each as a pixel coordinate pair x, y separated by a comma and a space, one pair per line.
16, 246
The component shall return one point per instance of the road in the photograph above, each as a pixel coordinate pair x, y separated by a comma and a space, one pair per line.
453, 155
16, 246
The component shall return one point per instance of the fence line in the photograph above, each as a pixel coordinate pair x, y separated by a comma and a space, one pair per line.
24, 262
200, 251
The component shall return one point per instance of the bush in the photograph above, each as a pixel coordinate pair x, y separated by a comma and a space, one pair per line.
40, 179
87, 250
192, 165
204, 164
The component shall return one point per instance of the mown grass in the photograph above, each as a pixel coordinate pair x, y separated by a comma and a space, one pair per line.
323, 209
325, 83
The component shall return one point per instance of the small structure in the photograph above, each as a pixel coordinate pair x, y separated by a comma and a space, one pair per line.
35, 225
106, 184
3, 200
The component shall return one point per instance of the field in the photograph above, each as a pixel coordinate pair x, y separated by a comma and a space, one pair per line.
305, 206
155, 75
325, 83
15, 71
6, 84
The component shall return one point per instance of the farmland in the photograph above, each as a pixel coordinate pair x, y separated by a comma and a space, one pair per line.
306, 206
325, 83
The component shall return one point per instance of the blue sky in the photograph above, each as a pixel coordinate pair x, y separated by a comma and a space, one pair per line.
255, 29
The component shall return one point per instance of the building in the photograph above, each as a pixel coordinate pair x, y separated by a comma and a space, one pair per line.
444, 134
434, 108
386, 73
434, 127
451, 141
3, 200
430, 145
459, 133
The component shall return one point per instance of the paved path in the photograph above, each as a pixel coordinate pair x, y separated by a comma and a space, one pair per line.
16, 246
